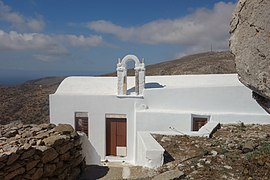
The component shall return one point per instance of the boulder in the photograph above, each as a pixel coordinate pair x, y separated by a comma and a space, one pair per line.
250, 43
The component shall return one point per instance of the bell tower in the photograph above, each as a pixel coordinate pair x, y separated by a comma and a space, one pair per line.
122, 75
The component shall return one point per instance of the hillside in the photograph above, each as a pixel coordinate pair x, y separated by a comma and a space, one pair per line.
202, 63
29, 102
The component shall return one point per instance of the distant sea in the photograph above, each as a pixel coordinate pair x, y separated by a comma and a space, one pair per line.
16, 77
13, 81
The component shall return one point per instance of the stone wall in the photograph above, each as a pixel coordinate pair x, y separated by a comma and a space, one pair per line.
41, 151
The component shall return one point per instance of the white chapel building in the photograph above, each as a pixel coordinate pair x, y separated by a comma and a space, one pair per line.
118, 114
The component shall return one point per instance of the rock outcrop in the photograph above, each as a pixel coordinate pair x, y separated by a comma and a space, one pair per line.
250, 43
42, 151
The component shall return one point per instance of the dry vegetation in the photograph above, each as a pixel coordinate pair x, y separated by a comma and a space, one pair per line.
29, 102
203, 63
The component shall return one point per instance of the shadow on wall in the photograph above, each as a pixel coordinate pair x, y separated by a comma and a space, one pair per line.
151, 85
89, 152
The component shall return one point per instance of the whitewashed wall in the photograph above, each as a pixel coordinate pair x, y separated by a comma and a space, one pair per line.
173, 107
158, 110
63, 107
162, 121
234, 99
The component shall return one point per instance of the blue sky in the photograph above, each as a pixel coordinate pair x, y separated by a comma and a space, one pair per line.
86, 37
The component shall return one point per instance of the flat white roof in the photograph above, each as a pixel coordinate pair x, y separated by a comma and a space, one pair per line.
108, 85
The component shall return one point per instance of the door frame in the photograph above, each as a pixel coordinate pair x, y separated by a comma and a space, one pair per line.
193, 116
84, 126
108, 120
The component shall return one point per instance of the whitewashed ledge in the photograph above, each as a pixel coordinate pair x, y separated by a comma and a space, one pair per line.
150, 152
205, 131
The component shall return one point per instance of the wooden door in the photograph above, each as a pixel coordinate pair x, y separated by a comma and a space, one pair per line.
116, 134
198, 123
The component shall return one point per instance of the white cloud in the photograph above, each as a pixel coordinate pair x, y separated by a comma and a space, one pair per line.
49, 45
20, 22
197, 30
81, 40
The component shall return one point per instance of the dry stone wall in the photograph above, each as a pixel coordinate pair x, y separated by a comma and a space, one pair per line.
41, 151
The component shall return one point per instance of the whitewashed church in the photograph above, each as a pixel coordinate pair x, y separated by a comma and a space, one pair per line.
118, 114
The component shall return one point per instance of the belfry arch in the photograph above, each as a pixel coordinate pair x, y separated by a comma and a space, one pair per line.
122, 75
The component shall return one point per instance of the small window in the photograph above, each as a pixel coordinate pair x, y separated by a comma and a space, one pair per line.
81, 122
198, 122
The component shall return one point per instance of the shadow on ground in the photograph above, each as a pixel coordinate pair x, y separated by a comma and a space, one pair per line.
94, 172
167, 157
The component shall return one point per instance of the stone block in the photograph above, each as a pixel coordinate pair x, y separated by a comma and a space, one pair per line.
38, 174
64, 147
12, 167
49, 169
64, 129
65, 157
49, 155
12, 158
30, 165
3, 157
54, 140
14, 173
30, 152
2, 165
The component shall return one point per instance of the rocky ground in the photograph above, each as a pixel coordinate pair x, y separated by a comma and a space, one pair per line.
234, 152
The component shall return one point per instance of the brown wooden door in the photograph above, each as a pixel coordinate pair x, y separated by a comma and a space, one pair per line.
116, 134
198, 123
